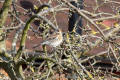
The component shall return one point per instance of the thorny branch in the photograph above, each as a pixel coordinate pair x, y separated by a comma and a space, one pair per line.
72, 56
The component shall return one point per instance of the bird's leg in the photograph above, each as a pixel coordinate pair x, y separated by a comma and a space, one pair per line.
44, 49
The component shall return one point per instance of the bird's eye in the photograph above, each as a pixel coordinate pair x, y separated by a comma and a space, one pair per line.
57, 30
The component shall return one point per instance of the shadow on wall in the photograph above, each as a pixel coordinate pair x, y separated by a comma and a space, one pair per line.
75, 19
27, 5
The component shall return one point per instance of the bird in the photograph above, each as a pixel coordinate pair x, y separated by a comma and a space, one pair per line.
53, 40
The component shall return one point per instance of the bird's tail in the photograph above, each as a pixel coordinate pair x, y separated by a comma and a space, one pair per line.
37, 45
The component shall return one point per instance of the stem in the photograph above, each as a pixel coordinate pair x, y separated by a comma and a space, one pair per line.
3, 17
23, 39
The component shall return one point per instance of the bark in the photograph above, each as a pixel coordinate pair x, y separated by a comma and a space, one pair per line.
14, 71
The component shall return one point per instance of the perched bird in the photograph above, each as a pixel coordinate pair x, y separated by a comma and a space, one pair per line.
53, 40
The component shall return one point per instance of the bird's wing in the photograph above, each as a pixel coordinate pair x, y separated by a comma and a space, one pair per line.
52, 37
